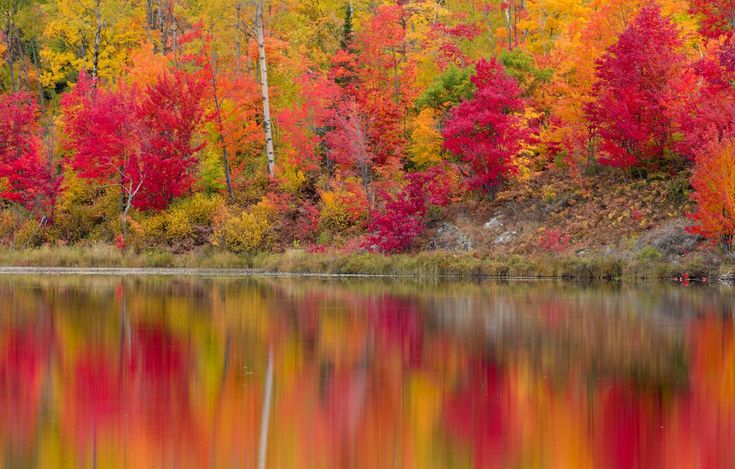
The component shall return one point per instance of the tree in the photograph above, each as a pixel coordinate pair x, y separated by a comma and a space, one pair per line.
306, 124
94, 36
447, 90
11, 35
713, 180
633, 76
486, 132
718, 16
137, 141
263, 66
350, 145
384, 87
170, 112
106, 137
25, 178
702, 102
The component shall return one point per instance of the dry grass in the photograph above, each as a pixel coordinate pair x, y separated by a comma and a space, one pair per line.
422, 265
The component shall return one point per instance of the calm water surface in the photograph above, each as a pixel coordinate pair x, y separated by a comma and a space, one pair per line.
284, 373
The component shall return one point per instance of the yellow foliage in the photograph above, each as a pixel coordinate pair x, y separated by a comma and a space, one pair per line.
84, 210
71, 34
179, 222
427, 140
334, 216
27, 234
291, 179
250, 232
341, 210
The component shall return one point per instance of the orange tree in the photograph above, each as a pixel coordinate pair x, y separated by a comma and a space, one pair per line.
713, 180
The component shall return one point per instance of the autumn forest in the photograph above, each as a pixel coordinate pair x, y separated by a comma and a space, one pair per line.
348, 126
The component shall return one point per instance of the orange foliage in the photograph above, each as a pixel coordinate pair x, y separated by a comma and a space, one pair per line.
713, 180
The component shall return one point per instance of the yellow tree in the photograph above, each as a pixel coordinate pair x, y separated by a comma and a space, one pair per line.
91, 35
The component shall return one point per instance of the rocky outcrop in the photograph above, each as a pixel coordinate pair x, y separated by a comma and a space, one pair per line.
449, 237
671, 239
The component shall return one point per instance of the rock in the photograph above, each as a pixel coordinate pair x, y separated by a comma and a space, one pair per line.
728, 276
495, 223
449, 237
671, 239
506, 237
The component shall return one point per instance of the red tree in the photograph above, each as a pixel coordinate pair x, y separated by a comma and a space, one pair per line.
24, 177
629, 114
170, 112
702, 102
349, 145
487, 131
140, 142
379, 80
105, 133
717, 16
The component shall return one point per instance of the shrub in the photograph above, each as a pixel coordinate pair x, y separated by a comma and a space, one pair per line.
342, 209
28, 234
178, 225
184, 221
649, 254
8, 222
401, 221
291, 179
249, 232
554, 240
86, 212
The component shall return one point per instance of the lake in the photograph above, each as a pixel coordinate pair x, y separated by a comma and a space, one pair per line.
190, 372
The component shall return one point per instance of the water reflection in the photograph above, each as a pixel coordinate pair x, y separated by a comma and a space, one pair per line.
155, 372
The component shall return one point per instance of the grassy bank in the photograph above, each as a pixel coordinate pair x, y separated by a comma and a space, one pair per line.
428, 264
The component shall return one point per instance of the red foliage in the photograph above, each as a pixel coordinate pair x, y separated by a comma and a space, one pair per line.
633, 76
139, 141
702, 102
304, 124
487, 131
448, 40
120, 242
24, 177
103, 131
401, 221
554, 240
717, 16
169, 111
382, 87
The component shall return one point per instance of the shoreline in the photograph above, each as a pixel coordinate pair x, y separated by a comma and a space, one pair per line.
107, 260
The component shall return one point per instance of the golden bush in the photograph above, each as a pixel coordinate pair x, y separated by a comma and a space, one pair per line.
28, 234
180, 222
249, 232
340, 211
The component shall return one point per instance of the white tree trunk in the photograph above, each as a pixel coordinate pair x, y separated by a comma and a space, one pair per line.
267, 122
97, 41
